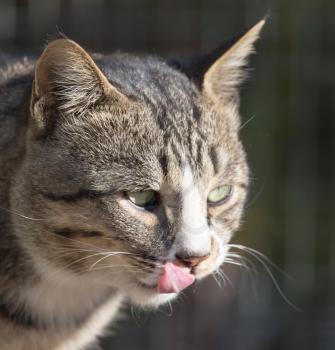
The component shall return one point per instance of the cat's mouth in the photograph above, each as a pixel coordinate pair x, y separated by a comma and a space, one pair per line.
173, 279
170, 277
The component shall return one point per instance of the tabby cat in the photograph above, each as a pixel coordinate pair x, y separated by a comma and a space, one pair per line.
122, 178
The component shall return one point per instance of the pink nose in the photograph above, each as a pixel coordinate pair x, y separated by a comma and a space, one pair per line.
191, 261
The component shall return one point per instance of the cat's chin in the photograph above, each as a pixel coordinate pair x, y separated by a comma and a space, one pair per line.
149, 297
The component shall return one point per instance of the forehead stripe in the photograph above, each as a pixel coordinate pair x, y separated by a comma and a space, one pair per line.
163, 160
199, 152
214, 158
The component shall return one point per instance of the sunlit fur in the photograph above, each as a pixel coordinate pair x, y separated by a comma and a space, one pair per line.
76, 133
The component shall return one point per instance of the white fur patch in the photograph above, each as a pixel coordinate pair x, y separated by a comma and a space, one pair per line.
194, 236
61, 297
94, 327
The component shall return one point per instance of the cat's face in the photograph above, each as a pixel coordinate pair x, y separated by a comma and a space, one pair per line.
133, 168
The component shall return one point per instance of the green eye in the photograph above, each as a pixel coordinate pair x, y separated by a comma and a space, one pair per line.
143, 198
219, 194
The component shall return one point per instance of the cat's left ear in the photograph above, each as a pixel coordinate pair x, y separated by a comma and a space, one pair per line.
220, 73
68, 82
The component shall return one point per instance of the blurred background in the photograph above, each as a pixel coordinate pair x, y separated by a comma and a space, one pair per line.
288, 110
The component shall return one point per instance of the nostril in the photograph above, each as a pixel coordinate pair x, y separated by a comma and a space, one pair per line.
191, 261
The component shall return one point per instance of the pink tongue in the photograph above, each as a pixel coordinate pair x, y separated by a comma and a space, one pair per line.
174, 279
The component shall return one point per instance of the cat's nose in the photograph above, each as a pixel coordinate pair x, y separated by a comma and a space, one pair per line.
191, 260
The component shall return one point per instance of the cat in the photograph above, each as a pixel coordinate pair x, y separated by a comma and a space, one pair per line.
122, 179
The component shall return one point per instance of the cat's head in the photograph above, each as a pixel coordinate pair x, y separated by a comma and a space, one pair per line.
133, 169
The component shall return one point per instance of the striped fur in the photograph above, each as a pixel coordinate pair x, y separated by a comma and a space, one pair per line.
77, 131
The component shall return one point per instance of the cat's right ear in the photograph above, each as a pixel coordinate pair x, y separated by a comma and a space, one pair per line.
67, 83
220, 73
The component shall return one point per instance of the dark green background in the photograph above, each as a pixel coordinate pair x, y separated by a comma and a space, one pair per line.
290, 215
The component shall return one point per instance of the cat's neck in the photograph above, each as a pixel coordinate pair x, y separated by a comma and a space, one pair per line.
48, 297
64, 299
34, 335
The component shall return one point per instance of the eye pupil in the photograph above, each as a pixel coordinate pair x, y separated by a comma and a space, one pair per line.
143, 198
220, 194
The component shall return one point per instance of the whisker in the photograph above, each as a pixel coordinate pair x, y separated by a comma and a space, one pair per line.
217, 280
107, 256
225, 277
247, 122
259, 256
81, 259
128, 267
70, 251
162, 311
252, 272
232, 262
245, 262
11, 211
